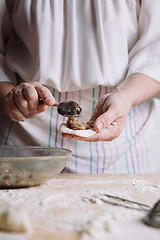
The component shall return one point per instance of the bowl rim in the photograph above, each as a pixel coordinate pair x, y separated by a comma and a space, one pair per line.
65, 153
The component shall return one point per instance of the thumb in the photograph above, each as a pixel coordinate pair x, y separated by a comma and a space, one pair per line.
45, 95
97, 112
48, 99
104, 120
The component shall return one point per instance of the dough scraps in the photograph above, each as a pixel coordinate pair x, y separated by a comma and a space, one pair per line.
13, 218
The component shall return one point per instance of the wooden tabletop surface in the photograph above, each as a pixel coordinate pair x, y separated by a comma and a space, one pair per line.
83, 207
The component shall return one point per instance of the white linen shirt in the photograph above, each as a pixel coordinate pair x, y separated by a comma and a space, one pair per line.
72, 45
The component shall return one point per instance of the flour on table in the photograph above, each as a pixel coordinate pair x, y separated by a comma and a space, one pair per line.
144, 186
67, 207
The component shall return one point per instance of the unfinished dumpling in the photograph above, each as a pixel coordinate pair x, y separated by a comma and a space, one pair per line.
75, 127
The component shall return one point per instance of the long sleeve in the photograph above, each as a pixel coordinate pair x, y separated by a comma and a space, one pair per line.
145, 55
5, 30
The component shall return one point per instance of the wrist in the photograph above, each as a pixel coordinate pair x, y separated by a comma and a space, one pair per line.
139, 87
126, 93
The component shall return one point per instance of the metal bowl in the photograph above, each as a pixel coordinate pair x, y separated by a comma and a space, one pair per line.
26, 166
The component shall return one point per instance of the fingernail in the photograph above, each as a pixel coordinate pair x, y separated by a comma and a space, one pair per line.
48, 101
100, 126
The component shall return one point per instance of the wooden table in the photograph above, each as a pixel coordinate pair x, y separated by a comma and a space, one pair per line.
73, 207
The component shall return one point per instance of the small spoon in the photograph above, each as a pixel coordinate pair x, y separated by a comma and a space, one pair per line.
67, 108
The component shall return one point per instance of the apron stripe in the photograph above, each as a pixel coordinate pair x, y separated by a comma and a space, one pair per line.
69, 140
56, 134
127, 163
97, 156
140, 141
145, 144
110, 161
130, 144
134, 136
76, 142
130, 150
62, 139
110, 148
9, 130
90, 144
104, 154
99, 96
117, 155
50, 123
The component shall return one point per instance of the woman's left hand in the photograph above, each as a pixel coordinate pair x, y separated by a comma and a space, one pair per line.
108, 118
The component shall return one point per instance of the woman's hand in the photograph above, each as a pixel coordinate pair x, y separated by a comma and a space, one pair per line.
22, 101
108, 118
111, 111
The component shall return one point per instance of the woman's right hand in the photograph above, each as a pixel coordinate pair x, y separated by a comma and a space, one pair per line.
22, 101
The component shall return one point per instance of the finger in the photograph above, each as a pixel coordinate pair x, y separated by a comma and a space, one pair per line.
21, 101
31, 97
45, 94
105, 119
107, 134
97, 112
12, 110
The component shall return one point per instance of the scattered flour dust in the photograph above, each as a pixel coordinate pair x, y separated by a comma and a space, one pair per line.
142, 185
71, 209
107, 223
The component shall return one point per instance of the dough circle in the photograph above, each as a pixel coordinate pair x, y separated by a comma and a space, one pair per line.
13, 218
81, 133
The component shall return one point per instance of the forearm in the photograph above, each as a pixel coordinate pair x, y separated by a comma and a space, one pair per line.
138, 88
5, 88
